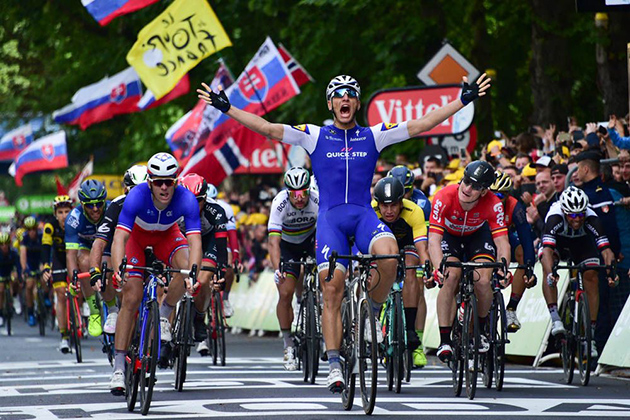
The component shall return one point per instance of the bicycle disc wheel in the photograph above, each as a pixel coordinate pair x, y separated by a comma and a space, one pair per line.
457, 358
75, 337
348, 351
471, 344
399, 343
220, 331
499, 339
312, 337
567, 350
367, 357
149, 355
182, 332
8, 307
583, 339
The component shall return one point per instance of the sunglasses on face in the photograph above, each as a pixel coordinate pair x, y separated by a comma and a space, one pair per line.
339, 93
169, 182
295, 194
475, 186
94, 204
575, 215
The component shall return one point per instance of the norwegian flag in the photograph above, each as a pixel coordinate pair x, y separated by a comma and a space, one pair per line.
298, 72
73, 188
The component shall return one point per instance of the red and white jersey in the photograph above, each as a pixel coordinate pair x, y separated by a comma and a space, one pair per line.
448, 215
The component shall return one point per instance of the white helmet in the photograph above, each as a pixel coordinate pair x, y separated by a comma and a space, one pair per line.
212, 192
342, 81
135, 175
297, 178
162, 165
573, 200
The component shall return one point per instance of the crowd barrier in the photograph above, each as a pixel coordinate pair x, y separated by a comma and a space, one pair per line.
255, 310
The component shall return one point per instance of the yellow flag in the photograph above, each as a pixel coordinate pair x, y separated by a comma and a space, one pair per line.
176, 41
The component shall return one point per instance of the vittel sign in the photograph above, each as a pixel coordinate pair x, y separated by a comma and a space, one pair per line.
403, 104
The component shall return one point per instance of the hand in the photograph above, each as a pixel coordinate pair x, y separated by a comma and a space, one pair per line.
239, 266
475, 90
46, 274
612, 120
505, 279
436, 278
218, 284
552, 280
527, 198
220, 101
118, 282
279, 277
613, 282
590, 128
191, 288
530, 281
532, 213
95, 278
549, 133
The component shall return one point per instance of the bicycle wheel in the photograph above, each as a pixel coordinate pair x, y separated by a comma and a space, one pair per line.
132, 369
388, 345
486, 360
8, 307
399, 343
150, 346
312, 339
220, 330
583, 339
41, 312
470, 341
367, 357
348, 353
74, 326
567, 350
458, 357
214, 335
499, 340
182, 336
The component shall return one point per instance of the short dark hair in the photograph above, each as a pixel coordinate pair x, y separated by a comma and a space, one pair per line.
593, 165
521, 155
435, 160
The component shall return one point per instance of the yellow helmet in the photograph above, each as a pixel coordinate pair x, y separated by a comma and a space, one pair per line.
62, 200
4, 238
502, 182
30, 222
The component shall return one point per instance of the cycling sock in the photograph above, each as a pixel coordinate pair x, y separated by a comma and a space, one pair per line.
119, 360
593, 325
553, 310
513, 303
111, 306
94, 309
334, 361
166, 310
286, 337
420, 334
64, 335
445, 335
410, 318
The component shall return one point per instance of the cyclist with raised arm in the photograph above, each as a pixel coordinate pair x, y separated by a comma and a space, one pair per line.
406, 221
343, 157
291, 226
214, 245
573, 230
467, 221
31, 261
101, 248
10, 268
149, 218
80, 228
54, 257
521, 244
234, 254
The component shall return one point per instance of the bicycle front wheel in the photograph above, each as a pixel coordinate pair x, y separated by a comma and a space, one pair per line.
150, 352
567, 350
583, 339
312, 338
470, 342
220, 329
132, 368
399, 343
499, 339
458, 358
182, 335
75, 326
348, 352
367, 357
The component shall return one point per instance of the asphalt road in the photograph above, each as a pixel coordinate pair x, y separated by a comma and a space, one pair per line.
36, 381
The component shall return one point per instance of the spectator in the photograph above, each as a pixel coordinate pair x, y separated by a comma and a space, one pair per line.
432, 175
544, 164
547, 194
513, 172
615, 131
558, 176
522, 160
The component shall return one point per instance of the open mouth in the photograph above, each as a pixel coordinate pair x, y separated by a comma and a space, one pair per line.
344, 111
164, 195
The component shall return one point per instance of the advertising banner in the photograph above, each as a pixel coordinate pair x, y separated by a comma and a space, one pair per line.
35, 204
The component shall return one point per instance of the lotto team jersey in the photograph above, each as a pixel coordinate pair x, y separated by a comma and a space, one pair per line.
292, 224
344, 160
139, 210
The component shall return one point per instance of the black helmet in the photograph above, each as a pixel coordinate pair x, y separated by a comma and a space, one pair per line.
479, 172
389, 190
403, 174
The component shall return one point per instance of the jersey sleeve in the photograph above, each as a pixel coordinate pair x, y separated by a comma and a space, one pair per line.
524, 231
304, 135
415, 219
553, 224
436, 221
129, 211
191, 213
594, 226
496, 217
386, 134
221, 223
72, 229
279, 206
106, 228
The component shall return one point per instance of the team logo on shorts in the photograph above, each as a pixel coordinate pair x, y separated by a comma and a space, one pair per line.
388, 126
302, 127
134, 260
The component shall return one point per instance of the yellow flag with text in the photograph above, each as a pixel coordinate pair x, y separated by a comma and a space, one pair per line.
176, 41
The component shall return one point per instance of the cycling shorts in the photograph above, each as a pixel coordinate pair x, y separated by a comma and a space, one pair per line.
515, 242
295, 252
59, 279
165, 244
337, 225
470, 247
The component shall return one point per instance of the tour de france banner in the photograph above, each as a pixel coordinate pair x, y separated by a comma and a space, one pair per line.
176, 41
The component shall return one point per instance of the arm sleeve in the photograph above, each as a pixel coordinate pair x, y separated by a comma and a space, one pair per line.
496, 219
524, 232
387, 134
47, 242
620, 142
191, 214
553, 225
304, 135
278, 208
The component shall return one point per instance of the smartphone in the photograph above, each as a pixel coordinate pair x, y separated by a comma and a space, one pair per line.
602, 130
578, 135
462, 152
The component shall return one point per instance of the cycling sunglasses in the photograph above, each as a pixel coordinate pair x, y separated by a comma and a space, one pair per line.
94, 204
475, 186
295, 194
339, 93
576, 215
169, 182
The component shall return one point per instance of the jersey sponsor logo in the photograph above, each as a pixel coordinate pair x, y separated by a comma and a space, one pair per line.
134, 260
498, 209
302, 127
325, 251
103, 229
169, 213
73, 222
488, 247
358, 138
381, 226
437, 207
388, 126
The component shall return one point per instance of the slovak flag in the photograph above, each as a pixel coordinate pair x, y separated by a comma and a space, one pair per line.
44, 154
104, 11
103, 100
13, 142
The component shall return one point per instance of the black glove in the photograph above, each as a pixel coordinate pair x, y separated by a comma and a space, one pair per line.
95, 275
469, 93
220, 101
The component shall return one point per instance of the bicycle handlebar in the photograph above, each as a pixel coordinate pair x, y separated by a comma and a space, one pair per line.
362, 259
612, 268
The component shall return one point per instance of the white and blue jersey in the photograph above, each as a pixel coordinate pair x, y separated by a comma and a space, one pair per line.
80, 231
418, 197
343, 162
139, 210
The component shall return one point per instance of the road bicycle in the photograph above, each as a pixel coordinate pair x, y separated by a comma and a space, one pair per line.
358, 355
183, 339
217, 324
74, 320
7, 307
107, 340
465, 333
576, 317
